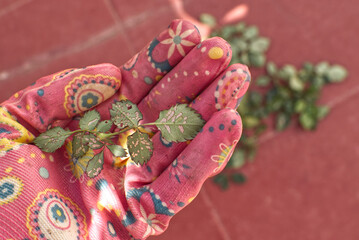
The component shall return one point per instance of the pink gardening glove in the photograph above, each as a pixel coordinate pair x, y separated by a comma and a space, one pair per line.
49, 196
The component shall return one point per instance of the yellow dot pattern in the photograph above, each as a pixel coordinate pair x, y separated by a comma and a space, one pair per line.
21, 160
215, 53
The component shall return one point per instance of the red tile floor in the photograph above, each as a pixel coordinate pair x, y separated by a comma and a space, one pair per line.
303, 185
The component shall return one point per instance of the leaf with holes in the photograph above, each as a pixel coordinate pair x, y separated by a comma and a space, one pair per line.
179, 123
93, 141
52, 139
79, 145
125, 114
104, 126
95, 165
90, 120
140, 147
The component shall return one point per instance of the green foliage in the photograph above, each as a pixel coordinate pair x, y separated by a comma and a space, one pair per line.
179, 123
140, 147
52, 139
125, 114
89, 120
287, 94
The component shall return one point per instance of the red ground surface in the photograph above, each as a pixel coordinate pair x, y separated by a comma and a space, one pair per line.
303, 185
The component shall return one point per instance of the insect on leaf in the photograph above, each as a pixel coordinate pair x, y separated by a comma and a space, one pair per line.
179, 123
104, 126
125, 114
90, 120
95, 165
79, 145
140, 147
52, 139
93, 141
117, 150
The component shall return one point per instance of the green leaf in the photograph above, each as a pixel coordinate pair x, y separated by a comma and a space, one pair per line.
322, 112
95, 165
307, 121
259, 45
255, 98
238, 158
125, 114
240, 44
288, 71
337, 73
179, 123
228, 31
240, 27
263, 81
79, 145
244, 59
250, 32
140, 147
117, 150
321, 68
257, 59
238, 178
300, 106
282, 121
296, 84
250, 121
52, 139
208, 19
93, 141
104, 126
90, 120
271, 68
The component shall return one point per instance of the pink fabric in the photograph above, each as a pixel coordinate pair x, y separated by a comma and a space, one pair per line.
49, 196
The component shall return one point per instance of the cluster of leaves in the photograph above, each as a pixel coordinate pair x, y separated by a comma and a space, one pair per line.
283, 93
177, 124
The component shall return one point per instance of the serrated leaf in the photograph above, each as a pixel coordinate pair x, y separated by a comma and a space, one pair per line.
93, 141
263, 81
95, 165
79, 145
125, 114
117, 150
208, 19
104, 126
140, 147
52, 139
336, 73
179, 123
90, 120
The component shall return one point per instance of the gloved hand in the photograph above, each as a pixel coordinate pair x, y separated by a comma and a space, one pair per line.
49, 196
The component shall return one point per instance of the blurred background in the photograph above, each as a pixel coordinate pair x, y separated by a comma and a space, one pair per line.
302, 184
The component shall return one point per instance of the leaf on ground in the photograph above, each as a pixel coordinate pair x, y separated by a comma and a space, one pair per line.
179, 123
140, 147
79, 145
95, 165
125, 114
52, 139
104, 126
117, 150
90, 120
93, 141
